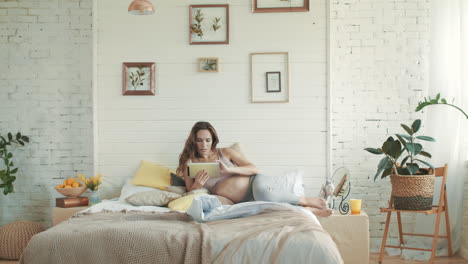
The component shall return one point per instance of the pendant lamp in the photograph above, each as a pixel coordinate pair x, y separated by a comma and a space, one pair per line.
141, 7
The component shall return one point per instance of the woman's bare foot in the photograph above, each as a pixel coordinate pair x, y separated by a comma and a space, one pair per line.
322, 212
316, 202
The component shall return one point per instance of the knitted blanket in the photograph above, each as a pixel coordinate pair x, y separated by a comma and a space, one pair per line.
136, 237
121, 238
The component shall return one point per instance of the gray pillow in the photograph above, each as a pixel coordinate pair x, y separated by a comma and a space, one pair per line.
152, 198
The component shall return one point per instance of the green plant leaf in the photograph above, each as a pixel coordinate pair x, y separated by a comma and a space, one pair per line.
426, 163
412, 168
443, 101
426, 138
21, 142
385, 163
374, 151
387, 145
25, 138
14, 171
403, 142
377, 173
10, 136
395, 150
18, 135
386, 172
416, 125
409, 138
414, 148
9, 156
404, 161
425, 154
407, 129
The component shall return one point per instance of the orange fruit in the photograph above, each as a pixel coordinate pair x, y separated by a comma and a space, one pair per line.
60, 186
67, 186
75, 184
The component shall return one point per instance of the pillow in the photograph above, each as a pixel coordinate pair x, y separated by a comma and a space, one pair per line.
152, 175
183, 203
238, 147
152, 198
130, 189
176, 189
176, 180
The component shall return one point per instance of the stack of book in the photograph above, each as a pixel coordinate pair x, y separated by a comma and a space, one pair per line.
66, 202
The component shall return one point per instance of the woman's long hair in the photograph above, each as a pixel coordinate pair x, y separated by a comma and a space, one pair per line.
190, 150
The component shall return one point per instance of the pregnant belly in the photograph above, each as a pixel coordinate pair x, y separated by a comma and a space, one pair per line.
233, 188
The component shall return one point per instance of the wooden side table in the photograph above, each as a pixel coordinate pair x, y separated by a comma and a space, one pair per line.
351, 235
60, 214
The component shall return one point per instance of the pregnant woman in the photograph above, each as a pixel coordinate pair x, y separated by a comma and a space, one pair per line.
239, 179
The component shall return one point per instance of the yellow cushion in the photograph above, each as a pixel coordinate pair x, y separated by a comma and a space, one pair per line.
183, 203
152, 175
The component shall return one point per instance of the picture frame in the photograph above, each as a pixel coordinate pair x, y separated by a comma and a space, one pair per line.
138, 78
274, 6
273, 82
269, 77
208, 24
208, 64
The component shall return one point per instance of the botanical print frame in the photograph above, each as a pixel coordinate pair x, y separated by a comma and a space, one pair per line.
208, 64
273, 82
209, 24
138, 78
269, 76
273, 6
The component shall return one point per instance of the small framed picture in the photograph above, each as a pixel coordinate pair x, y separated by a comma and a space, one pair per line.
209, 24
138, 78
208, 65
273, 82
269, 77
273, 6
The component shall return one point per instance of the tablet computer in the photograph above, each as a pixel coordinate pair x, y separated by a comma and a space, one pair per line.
211, 167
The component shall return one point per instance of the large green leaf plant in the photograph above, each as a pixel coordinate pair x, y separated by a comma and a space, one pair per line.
403, 145
7, 175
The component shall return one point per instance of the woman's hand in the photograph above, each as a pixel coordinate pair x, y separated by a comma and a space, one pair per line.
201, 178
223, 169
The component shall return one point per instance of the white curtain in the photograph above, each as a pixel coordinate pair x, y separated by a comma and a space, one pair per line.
448, 76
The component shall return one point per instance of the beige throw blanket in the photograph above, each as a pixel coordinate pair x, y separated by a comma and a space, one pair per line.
121, 238
163, 237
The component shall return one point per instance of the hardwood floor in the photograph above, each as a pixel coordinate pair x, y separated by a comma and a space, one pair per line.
374, 259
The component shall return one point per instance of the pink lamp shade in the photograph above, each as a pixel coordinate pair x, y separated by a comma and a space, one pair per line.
141, 7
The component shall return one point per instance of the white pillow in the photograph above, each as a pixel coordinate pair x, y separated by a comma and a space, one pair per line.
291, 180
152, 198
129, 189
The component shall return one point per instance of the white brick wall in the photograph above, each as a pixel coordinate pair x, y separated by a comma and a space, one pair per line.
379, 73
45, 80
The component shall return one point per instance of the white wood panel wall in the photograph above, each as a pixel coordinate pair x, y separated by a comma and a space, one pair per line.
276, 136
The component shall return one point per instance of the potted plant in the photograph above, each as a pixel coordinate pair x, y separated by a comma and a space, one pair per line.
7, 176
412, 186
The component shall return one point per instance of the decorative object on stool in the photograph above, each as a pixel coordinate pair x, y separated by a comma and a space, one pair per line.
94, 198
412, 186
14, 237
329, 192
93, 185
71, 202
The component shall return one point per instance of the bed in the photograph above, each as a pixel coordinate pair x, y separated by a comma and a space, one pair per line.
116, 232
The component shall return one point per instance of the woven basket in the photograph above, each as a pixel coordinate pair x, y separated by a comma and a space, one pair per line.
412, 192
14, 237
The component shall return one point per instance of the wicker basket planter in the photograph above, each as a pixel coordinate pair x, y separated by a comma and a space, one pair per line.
412, 192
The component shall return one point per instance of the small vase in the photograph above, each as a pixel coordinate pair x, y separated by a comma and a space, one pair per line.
94, 198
